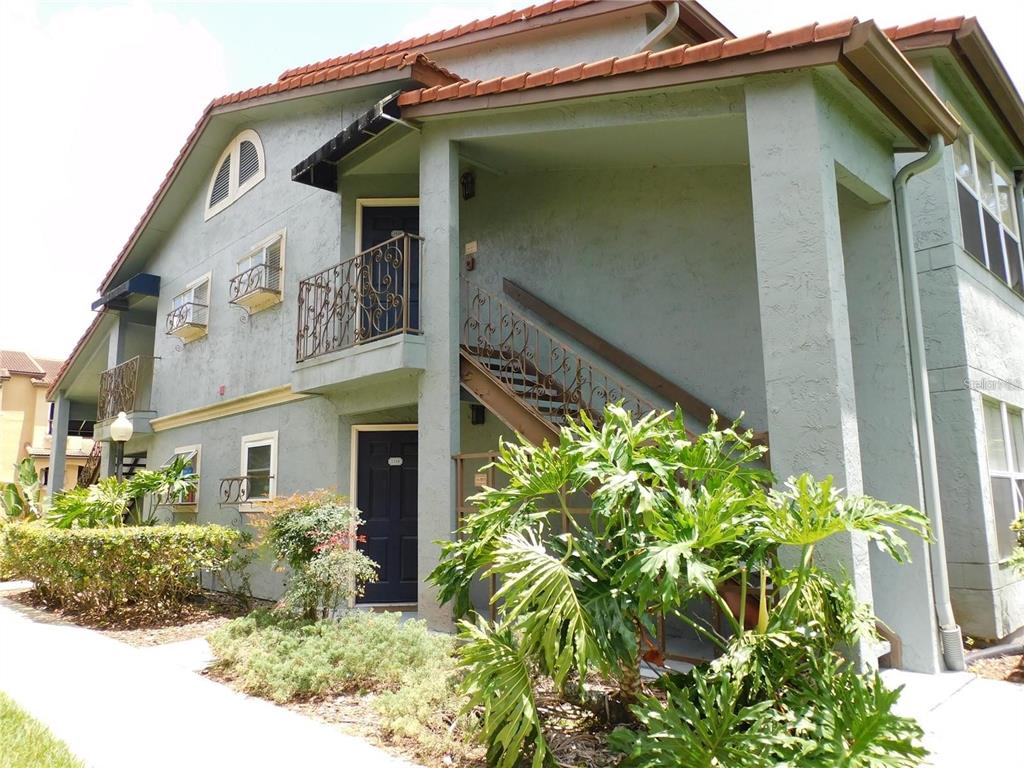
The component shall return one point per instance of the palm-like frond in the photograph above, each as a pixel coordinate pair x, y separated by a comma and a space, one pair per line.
807, 512
498, 680
540, 601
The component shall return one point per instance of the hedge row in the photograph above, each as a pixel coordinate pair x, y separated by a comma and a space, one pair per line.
148, 569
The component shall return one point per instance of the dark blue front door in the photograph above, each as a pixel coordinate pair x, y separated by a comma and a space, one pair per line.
386, 495
383, 299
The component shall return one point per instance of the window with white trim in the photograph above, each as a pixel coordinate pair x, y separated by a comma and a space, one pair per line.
190, 310
240, 167
266, 259
1004, 435
988, 212
259, 465
190, 454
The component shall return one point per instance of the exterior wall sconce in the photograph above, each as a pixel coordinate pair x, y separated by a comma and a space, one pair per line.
468, 183
477, 414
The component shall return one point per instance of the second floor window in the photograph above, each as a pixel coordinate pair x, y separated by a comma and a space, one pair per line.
190, 311
240, 167
988, 212
257, 281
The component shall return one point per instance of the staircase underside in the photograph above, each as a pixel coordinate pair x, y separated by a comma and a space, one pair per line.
497, 398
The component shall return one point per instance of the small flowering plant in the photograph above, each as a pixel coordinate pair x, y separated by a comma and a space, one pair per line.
316, 534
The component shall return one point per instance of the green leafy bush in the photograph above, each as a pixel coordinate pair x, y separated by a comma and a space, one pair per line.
147, 570
674, 518
1017, 557
314, 533
23, 498
114, 502
410, 670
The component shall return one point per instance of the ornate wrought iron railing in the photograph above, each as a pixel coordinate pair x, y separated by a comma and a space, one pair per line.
187, 314
90, 471
373, 295
243, 489
119, 387
546, 375
261, 277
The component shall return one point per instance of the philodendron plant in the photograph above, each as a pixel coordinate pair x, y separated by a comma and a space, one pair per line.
673, 518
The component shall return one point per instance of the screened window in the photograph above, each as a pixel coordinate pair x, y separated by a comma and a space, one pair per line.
191, 306
259, 465
1004, 435
240, 167
988, 213
266, 259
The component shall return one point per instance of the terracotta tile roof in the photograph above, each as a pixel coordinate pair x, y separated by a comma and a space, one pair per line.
394, 61
12, 361
682, 55
509, 17
927, 26
40, 368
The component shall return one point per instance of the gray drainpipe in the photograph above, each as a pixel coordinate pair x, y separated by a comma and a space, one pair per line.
667, 25
952, 640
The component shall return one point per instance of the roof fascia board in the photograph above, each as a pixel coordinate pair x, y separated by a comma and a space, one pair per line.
818, 54
76, 353
984, 69
874, 56
701, 22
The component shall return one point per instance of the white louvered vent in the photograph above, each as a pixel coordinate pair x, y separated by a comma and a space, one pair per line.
201, 299
273, 262
248, 161
222, 183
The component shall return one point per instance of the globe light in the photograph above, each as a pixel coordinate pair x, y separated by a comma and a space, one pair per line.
121, 430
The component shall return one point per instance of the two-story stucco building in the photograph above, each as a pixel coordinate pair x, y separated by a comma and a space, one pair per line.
364, 274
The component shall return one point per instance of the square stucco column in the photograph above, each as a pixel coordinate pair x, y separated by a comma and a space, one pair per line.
59, 444
808, 362
438, 399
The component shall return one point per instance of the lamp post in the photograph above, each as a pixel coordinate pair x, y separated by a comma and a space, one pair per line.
120, 432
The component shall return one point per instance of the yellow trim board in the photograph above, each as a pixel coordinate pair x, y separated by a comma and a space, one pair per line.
251, 402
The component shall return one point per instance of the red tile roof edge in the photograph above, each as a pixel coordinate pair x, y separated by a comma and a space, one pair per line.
394, 61
925, 27
490, 22
682, 55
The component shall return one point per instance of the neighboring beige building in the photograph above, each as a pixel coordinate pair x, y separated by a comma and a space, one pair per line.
25, 418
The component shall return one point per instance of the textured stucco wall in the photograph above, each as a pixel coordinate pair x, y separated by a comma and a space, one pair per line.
669, 250
557, 46
973, 330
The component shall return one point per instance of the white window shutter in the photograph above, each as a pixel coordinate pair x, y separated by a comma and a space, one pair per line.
248, 162
222, 183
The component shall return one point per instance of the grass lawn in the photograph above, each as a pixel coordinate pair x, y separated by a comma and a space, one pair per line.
27, 743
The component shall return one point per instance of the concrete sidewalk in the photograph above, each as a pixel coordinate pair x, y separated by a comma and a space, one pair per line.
968, 720
117, 706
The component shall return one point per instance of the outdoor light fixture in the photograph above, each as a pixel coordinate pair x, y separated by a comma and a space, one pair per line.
468, 182
120, 432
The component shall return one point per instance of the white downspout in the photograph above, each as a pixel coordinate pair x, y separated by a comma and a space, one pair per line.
667, 25
952, 641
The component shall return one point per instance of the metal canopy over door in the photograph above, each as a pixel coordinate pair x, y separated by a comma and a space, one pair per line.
386, 495
384, 270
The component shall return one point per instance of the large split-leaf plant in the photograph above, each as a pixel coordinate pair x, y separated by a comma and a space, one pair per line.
670, 518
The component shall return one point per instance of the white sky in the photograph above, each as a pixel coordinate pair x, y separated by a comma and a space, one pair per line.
97, 99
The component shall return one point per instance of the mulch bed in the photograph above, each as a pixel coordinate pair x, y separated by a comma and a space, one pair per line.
197, 618
1008, 668
574, 734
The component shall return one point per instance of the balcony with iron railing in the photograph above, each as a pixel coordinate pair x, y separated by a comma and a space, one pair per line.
361, 318
188, 321
256, 288
125, 387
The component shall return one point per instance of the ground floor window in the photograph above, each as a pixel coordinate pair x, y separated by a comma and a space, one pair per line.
1004, 435
190, 454
259, 465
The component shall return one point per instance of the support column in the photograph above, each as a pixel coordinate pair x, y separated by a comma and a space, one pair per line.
439, 384
59, 444
116, 341
812, 412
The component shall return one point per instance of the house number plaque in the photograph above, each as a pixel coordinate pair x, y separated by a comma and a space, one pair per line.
395, 461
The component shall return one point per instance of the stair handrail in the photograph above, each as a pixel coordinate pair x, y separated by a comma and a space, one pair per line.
583, 384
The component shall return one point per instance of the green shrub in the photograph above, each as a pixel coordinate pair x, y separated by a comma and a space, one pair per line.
283, 657
148, 570
411, 671
314, 533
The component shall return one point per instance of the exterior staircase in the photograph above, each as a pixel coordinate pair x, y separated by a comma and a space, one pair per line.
529, 379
